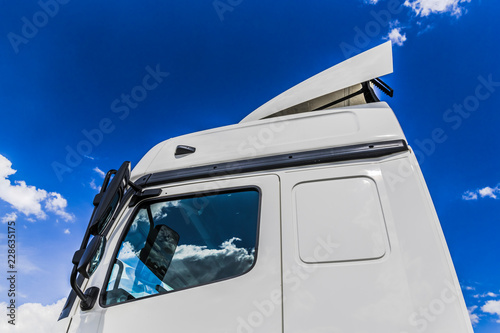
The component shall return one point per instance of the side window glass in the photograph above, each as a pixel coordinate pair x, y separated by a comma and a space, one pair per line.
179, 244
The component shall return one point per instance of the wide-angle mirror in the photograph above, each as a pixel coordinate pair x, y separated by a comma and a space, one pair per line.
92, 256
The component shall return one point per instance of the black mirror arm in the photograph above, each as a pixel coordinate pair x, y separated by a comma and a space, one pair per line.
106, 180
84, 299
136, 188
76, 259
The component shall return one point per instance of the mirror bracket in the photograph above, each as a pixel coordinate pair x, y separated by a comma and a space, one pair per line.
97, 199
91, 295
143, 180
144, 195
136, 187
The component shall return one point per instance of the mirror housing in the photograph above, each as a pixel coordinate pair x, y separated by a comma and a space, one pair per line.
85, 261
91, 256
159, 250
108, 199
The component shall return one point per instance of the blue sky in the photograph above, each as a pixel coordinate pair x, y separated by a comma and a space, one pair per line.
67, 68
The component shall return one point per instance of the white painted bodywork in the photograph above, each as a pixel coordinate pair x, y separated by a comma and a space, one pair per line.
407, 284
343, 247
295, 133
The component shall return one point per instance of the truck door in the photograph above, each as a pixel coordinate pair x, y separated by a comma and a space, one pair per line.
202, 257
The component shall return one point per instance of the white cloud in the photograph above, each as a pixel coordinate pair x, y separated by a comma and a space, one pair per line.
426, 7
25, 199
100, 172
57, 204
396, 37
485, 192
474, 318
32, 317
127, 251
94, 186
67, 232
489, 294
28, 199
492, 307
9, 217
193, 264
424, 28
160, 210
488, 192
468, 195
424, 11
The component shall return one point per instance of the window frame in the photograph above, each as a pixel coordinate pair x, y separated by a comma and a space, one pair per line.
167, 197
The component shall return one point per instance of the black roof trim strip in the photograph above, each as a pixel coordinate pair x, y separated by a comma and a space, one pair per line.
361, 151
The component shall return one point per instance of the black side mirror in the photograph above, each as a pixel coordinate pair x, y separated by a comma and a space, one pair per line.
159, 250
92, 256
86, 259
108, 199
85, 262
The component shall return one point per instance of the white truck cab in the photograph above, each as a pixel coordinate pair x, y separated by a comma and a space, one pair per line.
310, 215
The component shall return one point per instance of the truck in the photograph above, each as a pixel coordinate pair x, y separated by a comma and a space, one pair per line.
309, 215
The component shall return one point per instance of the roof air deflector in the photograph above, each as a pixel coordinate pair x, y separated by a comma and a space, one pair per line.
353, 72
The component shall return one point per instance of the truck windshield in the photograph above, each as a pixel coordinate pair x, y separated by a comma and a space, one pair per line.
186, 242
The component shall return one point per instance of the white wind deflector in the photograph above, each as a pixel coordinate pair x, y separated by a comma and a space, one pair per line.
366, 66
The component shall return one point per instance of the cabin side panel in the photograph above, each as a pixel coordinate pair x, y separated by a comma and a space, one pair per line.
363, 252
